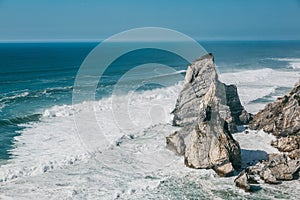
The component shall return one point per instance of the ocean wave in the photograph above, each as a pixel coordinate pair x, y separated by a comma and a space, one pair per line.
4, 100
136, 163
294, 63
20, 96
54, 137
53, 141
171, 74
14, 96
55, 89
20, 120
286, 59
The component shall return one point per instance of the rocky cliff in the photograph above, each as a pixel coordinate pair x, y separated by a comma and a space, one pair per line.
208, 112
282, 119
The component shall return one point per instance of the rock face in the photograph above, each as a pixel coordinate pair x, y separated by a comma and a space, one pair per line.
242, 181
208, 111
279, 167
282, 118
287, 144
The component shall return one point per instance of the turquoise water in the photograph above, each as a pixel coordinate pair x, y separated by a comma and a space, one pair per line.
37, 76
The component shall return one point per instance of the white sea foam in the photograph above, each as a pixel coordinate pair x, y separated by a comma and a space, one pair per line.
255, 145
294, 63
5, 99
139, 166
53, 142
254, 84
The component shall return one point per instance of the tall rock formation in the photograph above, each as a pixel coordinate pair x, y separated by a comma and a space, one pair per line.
208, 111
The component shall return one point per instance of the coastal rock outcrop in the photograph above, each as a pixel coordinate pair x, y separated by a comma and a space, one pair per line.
281, 168
278, 167
208, 112
282, 119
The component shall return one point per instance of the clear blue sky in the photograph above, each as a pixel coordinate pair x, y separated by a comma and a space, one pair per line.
200, 19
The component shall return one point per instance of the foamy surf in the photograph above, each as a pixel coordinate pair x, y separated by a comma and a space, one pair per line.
53, 141
294, 63
255, 84
50, 161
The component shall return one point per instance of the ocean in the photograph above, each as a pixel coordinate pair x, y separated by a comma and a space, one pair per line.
42, 157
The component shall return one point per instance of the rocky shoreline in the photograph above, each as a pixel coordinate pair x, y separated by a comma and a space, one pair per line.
282, 119
208, 112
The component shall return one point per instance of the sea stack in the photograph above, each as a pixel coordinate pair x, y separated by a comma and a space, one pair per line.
207, 111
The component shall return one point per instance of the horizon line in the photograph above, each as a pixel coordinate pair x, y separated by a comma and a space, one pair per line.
100, 40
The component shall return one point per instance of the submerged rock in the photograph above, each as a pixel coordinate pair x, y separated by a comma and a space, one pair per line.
208, 112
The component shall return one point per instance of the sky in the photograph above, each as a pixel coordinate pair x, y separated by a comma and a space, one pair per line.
46, 20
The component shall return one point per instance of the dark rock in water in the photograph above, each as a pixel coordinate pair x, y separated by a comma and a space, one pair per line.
242, 181
282, 118
245, 117
208, 111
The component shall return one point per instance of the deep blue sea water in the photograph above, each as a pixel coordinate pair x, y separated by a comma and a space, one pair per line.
37, 76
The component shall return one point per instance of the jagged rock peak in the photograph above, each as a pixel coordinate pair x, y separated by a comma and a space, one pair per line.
208, 111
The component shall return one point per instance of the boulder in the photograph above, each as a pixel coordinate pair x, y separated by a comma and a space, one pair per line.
242, 181
268, 177
280, 168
